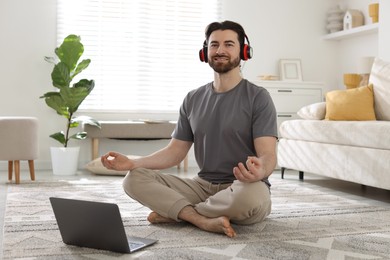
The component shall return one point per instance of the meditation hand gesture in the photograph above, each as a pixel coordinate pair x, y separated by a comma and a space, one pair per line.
117, 161
254, 170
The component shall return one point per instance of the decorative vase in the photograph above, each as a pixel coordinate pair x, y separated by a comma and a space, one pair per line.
352, 80
373, 11
64, 160
335, 19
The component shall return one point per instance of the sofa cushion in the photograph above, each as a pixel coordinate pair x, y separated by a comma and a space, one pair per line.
314, 111
371, 134
351, 104
380, 78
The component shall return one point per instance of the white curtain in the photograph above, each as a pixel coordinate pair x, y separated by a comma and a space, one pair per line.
144, 52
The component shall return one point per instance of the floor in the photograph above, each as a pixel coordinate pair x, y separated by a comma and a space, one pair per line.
346, 188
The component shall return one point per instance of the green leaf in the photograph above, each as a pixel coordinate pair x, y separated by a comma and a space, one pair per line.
87, 120
80, 67
73, 97
61, 75
49, 94
87, 84
73, 124
50, 60
60, 137
56, 102
79, 136
70, 51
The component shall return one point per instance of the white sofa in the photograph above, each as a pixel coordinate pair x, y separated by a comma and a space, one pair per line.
350, 150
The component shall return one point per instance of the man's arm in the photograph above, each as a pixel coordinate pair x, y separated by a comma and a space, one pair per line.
260, 167
167, 157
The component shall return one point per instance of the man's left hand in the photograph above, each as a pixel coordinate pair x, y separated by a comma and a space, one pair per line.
254, 170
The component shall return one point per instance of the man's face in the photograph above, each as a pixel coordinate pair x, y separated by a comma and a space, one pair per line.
223, 51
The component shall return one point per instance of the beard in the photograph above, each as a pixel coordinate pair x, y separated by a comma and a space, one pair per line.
224, 67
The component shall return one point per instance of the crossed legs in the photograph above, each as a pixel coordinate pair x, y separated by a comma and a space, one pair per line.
210, 207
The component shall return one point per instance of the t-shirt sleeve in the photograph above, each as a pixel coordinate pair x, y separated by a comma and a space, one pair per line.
183, 130
264, 116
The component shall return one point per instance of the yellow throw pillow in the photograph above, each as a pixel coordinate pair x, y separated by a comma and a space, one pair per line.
350, 105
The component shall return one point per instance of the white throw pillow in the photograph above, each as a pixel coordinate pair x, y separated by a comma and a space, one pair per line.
314, 111
380, 78
96, 166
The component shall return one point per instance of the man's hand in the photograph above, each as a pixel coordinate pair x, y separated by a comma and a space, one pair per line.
117, 161
254, 170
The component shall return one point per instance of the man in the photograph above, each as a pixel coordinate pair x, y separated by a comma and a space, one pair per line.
232, 124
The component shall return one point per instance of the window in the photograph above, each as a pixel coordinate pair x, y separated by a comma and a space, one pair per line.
144, 53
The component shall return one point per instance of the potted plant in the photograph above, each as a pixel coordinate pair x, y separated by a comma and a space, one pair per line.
66, 99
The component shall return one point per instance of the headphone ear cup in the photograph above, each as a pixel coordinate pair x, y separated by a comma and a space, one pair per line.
203, 54
246, 52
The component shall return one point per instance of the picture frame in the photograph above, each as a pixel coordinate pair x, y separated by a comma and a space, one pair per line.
290, 70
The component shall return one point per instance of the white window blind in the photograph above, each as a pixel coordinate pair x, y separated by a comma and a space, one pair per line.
144, 52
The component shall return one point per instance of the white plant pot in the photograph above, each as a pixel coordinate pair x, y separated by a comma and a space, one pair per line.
64, 160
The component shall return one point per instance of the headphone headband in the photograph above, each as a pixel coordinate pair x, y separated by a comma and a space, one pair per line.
246, 51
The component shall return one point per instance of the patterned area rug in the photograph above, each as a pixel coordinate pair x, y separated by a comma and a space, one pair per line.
307, 222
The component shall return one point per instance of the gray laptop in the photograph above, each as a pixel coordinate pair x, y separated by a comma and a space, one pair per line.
95, 225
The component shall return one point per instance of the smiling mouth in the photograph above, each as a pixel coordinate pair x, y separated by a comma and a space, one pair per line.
221, 58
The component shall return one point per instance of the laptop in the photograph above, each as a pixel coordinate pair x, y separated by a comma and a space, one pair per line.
95, 225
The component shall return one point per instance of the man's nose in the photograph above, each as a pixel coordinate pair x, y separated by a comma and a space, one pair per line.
220, 50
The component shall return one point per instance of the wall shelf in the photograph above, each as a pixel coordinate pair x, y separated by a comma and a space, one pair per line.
357, 31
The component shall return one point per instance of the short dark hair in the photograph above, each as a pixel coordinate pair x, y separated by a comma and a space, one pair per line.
226, 25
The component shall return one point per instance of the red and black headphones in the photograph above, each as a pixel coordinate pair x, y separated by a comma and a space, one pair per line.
246, 51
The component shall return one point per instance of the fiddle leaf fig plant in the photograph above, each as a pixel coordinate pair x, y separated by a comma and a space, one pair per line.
68, 96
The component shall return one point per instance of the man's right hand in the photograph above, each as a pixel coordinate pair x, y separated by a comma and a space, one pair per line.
117, 161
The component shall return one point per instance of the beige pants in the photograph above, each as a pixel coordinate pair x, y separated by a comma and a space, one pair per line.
242, 203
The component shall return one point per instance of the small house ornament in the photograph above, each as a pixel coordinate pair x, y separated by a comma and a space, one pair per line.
353, 18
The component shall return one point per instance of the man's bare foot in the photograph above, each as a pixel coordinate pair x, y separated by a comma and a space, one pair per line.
216, 225
156, 218
219, 225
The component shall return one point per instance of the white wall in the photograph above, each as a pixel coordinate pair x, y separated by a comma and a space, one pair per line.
276, 29
28, 33
384, 29
349, 51
285, 29
295, 29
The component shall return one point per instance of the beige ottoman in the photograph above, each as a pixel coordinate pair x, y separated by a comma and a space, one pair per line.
18, 141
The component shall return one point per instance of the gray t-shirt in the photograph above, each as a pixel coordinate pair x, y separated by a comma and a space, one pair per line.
222, 126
